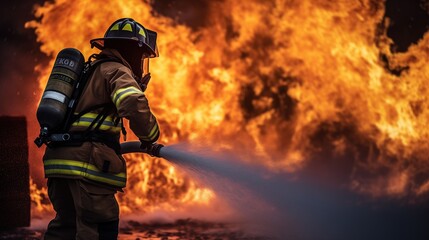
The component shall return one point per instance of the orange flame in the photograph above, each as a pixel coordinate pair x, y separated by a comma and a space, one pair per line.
285, 78
39, 201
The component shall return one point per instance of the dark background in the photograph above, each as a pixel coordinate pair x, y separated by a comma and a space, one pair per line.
19, 53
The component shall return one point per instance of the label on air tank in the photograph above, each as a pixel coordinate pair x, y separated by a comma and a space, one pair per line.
65, 62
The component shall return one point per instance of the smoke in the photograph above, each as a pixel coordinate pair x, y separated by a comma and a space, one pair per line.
19, 54
409, 21
287, 207
19, 88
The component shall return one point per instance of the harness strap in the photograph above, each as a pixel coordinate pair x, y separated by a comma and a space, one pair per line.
124, 131
78, 138
90, 109
99, 119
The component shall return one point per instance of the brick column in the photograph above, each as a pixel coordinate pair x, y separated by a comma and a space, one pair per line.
15, 201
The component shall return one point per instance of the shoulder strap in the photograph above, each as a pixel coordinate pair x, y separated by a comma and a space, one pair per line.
107, 109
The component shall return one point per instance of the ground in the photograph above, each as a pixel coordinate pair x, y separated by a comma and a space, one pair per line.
183, 229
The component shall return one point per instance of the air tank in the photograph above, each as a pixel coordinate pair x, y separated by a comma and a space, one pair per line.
65, 74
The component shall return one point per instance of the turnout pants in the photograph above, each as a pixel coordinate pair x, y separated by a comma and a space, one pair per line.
83, 211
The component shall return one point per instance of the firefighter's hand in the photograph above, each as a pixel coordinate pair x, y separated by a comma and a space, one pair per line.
150, 148
145, 144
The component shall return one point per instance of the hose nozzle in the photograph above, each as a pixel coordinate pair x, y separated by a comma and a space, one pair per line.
153, 149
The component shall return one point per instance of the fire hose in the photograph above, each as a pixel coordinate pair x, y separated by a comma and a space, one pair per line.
157, 150
135, 146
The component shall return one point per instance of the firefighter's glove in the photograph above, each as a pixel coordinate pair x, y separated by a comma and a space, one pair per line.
150, 148
144, 82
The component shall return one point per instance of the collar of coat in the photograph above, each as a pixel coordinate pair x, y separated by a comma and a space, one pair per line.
110, 52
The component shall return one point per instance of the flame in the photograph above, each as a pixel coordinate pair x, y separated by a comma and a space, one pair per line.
39, 201
153, 184
287, 79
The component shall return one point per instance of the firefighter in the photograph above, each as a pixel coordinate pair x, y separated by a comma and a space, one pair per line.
83, 178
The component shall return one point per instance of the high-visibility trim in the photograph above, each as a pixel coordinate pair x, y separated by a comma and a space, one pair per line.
122, 93
153, 133
127, 27
115, 27
94, 115
86, 170
107, 125
141, 32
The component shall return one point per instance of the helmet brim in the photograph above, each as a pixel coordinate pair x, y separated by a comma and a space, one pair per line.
99, 43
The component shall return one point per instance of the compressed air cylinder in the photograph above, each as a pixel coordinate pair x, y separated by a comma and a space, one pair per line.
65, 74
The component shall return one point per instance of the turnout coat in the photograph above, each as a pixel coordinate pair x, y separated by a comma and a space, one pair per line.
111, 84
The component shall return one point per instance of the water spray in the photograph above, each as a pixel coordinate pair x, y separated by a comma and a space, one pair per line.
291, 209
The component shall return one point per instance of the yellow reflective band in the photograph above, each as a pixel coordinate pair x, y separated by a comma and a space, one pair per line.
77, 164
141, 32
102, 127
106, 180
152, 133
94, 115
108, 124
64, 171
127, 27
122, 93
87, 170
88, 176
67, 162
115, 27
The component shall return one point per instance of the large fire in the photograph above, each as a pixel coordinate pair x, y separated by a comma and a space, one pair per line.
291, 80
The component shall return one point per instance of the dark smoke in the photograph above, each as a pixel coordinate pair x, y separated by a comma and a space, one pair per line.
192, 13
19, 53
19, 87
409, 22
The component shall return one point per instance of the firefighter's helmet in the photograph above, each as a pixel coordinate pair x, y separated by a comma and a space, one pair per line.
128, 30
